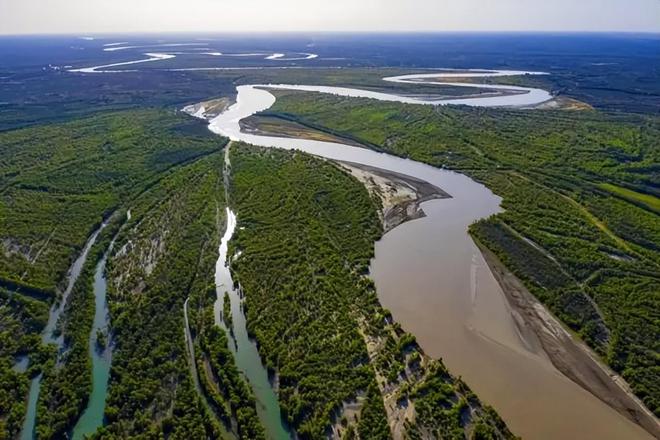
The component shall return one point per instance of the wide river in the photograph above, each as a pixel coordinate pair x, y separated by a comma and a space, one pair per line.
433, 278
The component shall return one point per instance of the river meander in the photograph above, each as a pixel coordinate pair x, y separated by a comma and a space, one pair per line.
433, 278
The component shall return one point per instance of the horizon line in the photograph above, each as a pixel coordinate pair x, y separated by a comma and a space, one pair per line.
102, 34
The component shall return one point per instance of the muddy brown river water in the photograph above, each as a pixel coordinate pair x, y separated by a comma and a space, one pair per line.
435, 281
433, 278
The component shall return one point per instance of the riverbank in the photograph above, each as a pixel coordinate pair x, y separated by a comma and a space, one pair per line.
562, 103
453, 304
266, 125
400, 195
571, 357
209, 109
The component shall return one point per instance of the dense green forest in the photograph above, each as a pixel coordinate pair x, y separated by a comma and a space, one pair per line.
21, 321
300, 272
306, 233
67, 379
580, 229
167, 227
167, 219
37, 98
580, 191
58, 182
164, 253
230, 396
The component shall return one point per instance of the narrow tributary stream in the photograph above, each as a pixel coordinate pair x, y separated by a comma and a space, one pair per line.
243, 348
101, 353
50, 336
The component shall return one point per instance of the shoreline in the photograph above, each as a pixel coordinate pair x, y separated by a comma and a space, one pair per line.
571, 357
274, 125
401, 195
589, 365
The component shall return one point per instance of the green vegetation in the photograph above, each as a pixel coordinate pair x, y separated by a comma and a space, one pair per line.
223, 380
442, 410
592, 258
34, 98
165, 253
306, 238
227, 395
101, 340
645, 200
57, 182
226, 312
626, 84
306, 235
21, 320
372, 424
67, 380
309, 304
443, 405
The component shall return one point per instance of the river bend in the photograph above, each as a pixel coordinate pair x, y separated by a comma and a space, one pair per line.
433, 278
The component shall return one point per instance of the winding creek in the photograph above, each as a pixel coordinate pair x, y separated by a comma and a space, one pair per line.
434, 279
92, 417
243, 348
50, 336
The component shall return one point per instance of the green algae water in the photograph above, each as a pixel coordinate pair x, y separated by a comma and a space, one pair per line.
31, 416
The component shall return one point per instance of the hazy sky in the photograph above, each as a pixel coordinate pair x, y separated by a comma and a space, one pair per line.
100, 16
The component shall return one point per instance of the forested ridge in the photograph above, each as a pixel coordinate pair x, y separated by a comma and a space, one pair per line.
164, 254
58, 181
300, 274
580, 191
